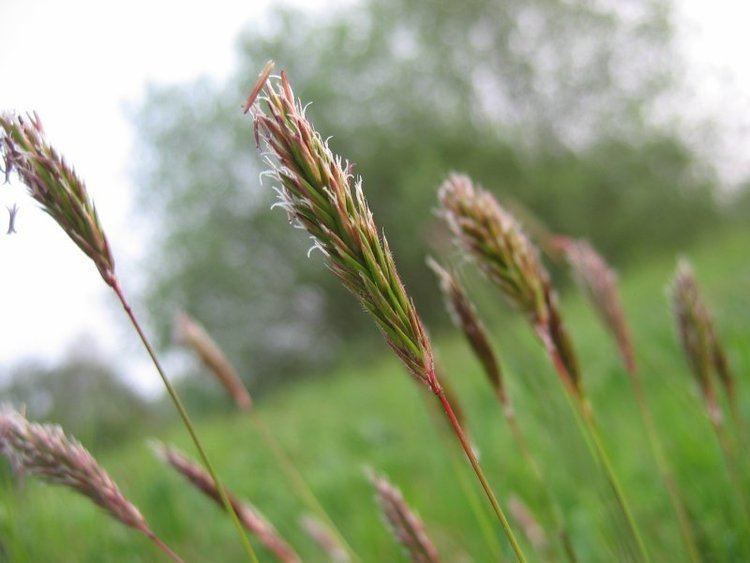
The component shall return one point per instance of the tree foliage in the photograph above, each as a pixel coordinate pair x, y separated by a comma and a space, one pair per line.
548, 102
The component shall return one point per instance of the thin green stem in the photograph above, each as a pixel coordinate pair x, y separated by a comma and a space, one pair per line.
185, 419
730, 461
466, 445
583, 408
549, 499
612, 477
675, 496
298, 482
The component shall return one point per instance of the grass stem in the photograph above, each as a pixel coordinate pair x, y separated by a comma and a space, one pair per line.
583, 408
163, 546
675, 496
466, 445
185, 418
297, 480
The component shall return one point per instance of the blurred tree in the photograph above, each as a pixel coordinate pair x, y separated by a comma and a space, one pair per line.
545, 100
81, 394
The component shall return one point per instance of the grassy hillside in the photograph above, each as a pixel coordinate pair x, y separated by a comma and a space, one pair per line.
374, 415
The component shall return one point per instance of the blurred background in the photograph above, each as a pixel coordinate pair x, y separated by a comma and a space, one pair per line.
624, 122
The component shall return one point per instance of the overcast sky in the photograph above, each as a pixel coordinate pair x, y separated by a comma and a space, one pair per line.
80, 64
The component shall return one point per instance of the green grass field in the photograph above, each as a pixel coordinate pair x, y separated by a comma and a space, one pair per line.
375, 416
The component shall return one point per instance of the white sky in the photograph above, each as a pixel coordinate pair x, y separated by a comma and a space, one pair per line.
79, 64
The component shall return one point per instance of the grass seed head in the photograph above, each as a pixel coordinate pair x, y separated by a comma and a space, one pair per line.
56, 186
599, 283
43, 450
407, 528
323, 197
253, 521
466, 318
497, 243
191, 333
698, 338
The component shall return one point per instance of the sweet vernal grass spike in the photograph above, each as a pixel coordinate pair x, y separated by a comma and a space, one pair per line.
598, 282
56, 186
699, 339
492, 236
696, 333
407, 528
699, 343
43, 450
465, 317
253, 521
191, 333
323, 197
63, 195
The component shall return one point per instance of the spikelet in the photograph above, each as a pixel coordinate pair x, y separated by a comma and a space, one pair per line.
407, 528
493, 237
323, 197
324, 538
43, 450
496, 242
192, 334
599, 283
466, 318
698, 338
56, 186
253, 521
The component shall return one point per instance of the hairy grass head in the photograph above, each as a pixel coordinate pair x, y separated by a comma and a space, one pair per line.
496, 241
322, 196
500, 248
55, 185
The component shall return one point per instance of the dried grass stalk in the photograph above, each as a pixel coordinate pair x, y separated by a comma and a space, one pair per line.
252, 520
599, 283
324, 538
407, 528
191, 333
45, 451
